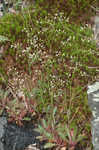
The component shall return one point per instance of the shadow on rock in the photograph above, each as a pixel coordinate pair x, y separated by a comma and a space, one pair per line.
13, 137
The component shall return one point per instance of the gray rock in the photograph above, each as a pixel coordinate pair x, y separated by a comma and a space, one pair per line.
3, 125
13, 137
93, 101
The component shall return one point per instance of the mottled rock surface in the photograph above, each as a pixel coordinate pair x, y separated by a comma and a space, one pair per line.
13, 137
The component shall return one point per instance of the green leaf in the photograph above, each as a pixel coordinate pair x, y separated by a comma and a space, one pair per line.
27, 119
48, 135
74, 127
49, 145
39, 137
40, 129
54, 111
68, 132
62, 135
80, 137
37, 129
44, 123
